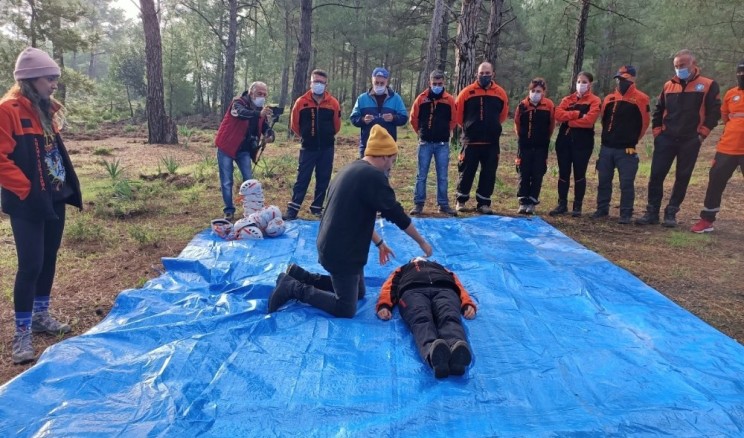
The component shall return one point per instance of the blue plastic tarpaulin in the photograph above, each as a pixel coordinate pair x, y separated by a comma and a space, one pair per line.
565, 344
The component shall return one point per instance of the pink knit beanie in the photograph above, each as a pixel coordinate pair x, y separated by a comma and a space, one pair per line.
34, 63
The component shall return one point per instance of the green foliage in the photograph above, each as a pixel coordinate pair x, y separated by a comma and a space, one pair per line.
170, 163
143, 235
102, 151
113, 168
84, 228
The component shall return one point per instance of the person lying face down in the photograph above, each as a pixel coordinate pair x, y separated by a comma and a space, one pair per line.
431, 299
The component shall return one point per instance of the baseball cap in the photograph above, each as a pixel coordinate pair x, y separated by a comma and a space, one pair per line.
626, 72
380, 71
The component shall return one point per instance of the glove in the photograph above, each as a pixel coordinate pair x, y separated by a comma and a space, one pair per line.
630, 151
517, 163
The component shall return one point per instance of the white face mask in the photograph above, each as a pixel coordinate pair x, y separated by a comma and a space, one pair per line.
535, 96
318, 88
379, 89
259, 101
582, 88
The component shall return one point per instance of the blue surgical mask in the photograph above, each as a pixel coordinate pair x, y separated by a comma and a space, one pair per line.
682, 73
379, 89
535, 97
318, 88
437, 89
259, 101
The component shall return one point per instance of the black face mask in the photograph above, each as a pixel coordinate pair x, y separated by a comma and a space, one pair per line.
623, 85
740, 78
484, 81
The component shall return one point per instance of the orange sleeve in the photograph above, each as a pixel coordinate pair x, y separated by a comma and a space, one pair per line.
552, 117
294, 122
386, 296
11, 176
451, 102
415, 114
464, 295
504, 111
563, 114
590, 118
517, 116
644, 106
725, 111
460, 106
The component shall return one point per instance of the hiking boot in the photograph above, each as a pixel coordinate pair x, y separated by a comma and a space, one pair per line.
319, 281
460, 206
702, 226
290, 215
316, 213
416, 210
229, 216
625, 219
530, 210
576, 212
295, 271
522, 209
484, 209
670, 219
42, 322
22, 348
561, 208
439, 357
285, 290
446, 209
648, 218
599, 214
460, 358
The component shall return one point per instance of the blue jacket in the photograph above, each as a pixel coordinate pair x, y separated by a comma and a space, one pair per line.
367, 104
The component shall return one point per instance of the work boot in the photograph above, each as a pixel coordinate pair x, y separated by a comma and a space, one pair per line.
576, 212
460, 357
599, 214
562, 208
625, 218
416, 210
530, 210
439, 357
287, 288
460, 206
317, 212
670, 217
290, 215
522, 209
42, 322
484, 209
22, 348
229, 216
319, 281
648, 218
446, 209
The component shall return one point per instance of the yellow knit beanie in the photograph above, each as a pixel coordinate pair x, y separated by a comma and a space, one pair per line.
380, 143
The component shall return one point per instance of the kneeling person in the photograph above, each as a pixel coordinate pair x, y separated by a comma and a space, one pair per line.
431, 299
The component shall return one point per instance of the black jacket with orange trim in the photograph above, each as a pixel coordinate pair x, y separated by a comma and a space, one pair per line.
433, 117
686, 109
316, 123
417, 274
625, 118
534, 124
577, 116
481, 111
26, 183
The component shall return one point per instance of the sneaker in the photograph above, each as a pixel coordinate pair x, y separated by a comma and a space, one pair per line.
460, 206
484, 209
522, 209
417, 210
42, 322
23, 349
648, 218
530, 209
439, 357
446, 209
702, 226
460, 358
625, 219
599, 214
670, 220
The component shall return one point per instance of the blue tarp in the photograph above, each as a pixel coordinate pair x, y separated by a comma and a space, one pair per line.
565, 344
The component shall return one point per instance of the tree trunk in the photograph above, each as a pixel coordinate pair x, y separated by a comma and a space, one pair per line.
444, 38
228, 81
494, 30
160, 127
607, 54
580, 42
435, 32
467, 35
302, 61
287, 54
354, 74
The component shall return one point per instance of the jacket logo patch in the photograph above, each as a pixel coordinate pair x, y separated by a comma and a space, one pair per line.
736, 98
699, 87
26, 123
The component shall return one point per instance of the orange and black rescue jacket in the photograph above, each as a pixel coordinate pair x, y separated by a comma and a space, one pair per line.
577, 116
625, 118
687, 108
24, 177
316, 123
417, 274
481, 111
534, 124
433, 117
732, 140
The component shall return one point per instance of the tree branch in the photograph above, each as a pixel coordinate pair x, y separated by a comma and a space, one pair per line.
206, 20
618, 14
336, 4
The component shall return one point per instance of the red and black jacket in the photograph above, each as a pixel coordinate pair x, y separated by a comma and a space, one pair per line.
625, 118
24, 177
433, 117
416, 274
534, 124
481, 111
686, 109
316, 123
241, 122
577, 116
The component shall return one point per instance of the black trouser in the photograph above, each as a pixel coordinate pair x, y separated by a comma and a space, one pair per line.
666, 149
627, 168
485, 155
432, 313
577, 155
720, 173
37, 243
533, 163
342, 301
322, 161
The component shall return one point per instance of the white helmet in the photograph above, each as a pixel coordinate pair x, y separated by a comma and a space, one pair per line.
276, 227
245, 229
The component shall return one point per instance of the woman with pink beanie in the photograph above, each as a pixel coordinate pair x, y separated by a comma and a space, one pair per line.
37, 180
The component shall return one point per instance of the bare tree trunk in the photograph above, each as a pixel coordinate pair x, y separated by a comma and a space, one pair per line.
495, 19
228, 82
444, 38
287, 54
435, 32
607, 54
302, 61
580, 42
160, 127
467, 35
355, 74
58, 55
129, 101
32, 23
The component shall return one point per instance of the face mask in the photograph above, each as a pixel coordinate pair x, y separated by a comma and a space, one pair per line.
484, 81
318, 88
259, 101
535, 97
682, 73
379, 89
437, 89
740, 78
582, 88
623, 86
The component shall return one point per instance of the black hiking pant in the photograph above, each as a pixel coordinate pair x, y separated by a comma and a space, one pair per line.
720, 173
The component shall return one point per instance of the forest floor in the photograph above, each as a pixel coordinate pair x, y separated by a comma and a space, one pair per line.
144, 202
